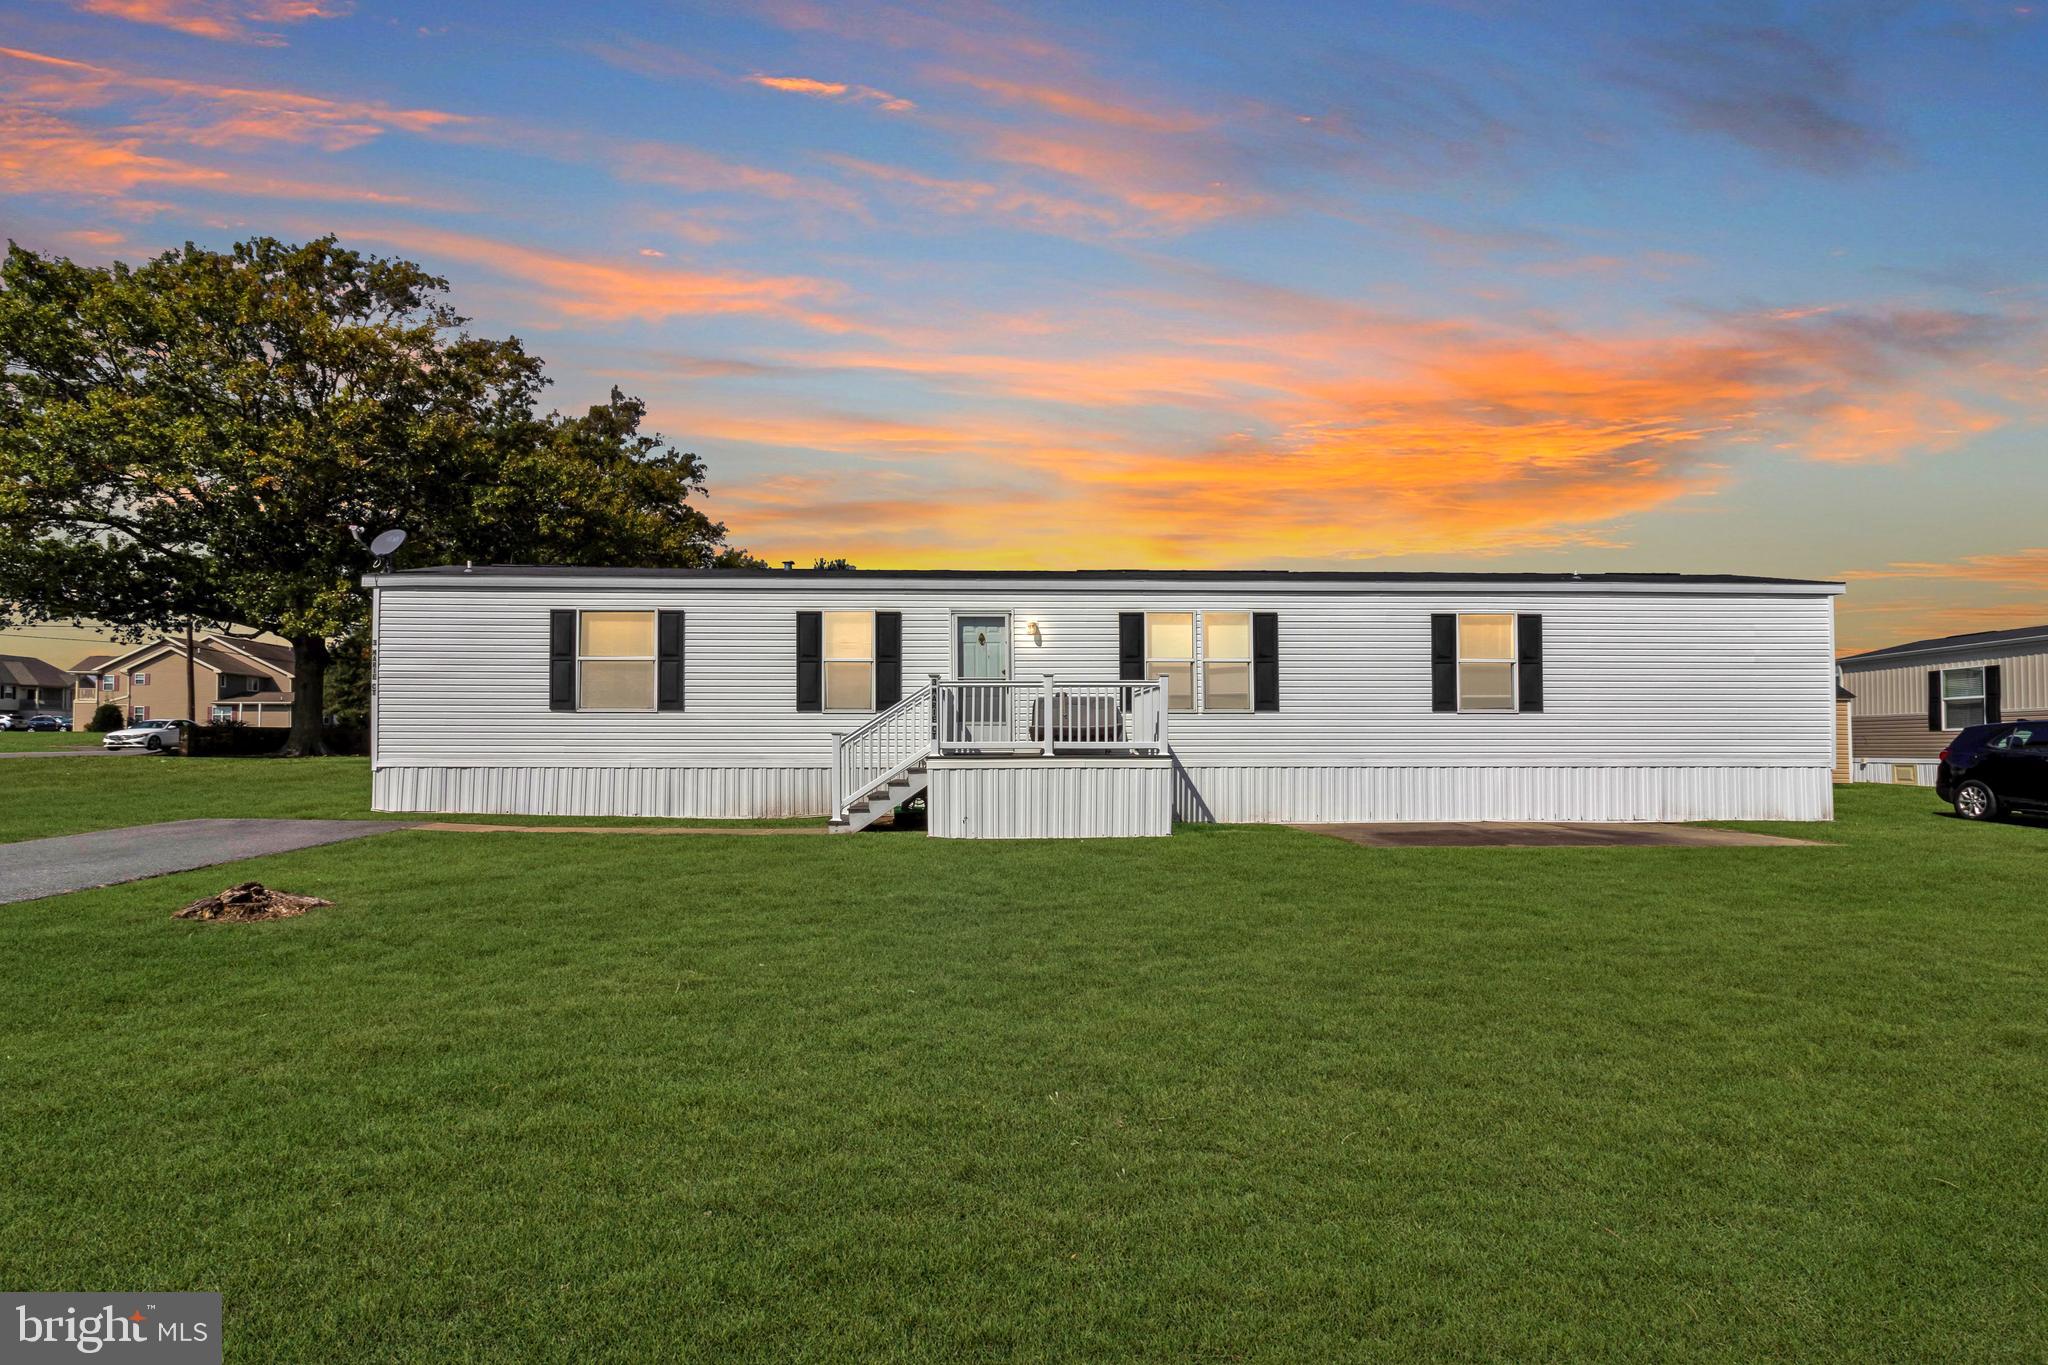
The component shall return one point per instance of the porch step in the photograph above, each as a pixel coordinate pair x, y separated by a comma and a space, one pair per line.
881, 800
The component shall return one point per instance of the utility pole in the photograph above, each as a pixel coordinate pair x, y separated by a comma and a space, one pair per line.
191, 686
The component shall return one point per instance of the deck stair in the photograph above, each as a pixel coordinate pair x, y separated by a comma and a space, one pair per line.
879, 801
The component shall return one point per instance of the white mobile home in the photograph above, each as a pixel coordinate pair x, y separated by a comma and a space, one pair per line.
1111, 702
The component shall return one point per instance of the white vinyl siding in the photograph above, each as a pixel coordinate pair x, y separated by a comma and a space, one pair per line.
1732, 692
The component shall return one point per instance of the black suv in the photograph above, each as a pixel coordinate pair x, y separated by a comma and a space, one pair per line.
1988, 770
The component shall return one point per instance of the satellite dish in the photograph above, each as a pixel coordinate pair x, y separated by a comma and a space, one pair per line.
387, 543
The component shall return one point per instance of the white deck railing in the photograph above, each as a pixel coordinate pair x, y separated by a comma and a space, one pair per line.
970, 716
885, 747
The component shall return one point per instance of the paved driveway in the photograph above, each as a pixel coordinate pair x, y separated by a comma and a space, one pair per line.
1478, 834
78, 862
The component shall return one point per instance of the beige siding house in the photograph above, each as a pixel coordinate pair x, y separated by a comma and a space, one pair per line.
1912, 699
248, 681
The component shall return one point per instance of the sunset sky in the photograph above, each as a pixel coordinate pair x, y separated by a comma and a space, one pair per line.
1734, 288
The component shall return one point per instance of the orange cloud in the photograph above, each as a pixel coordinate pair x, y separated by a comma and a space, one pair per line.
42, 154
1172, 192
601, 291
1072, 104
217, 19
231, 114
2027, 569
686, 168
1347, 435
982, 198
804, 85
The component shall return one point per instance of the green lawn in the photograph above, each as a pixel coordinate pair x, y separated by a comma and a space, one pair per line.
37, 741
46, 798
1241, 1094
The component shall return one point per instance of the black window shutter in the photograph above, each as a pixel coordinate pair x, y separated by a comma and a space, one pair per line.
1130, 645
1529, 657
1443, 661
1265, 661
669, 662
561, 661
1994, 695
1934, 699
888, 659
810, 661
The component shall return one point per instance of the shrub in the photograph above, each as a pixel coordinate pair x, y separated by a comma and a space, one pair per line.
107, 717
234, 739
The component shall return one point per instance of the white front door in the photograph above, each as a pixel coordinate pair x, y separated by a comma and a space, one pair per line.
981, 653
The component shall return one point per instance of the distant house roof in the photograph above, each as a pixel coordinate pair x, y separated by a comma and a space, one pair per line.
1954, 644
221, 653
23, 671
269, 653
90, 663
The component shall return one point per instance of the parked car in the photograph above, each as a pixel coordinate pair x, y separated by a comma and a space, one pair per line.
10, 721
48, 723
146, 734
1990, 770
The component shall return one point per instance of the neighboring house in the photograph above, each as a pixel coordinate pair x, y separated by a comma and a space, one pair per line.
1103, 702
1911, 699
31, 687
233, 680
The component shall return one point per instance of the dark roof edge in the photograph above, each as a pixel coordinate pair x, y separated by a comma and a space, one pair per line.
1089, 575
1948, 644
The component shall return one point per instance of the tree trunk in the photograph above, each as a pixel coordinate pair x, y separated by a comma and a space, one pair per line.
309, 696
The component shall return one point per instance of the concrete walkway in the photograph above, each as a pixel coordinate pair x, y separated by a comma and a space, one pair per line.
460, 827
1476, 834
79, 862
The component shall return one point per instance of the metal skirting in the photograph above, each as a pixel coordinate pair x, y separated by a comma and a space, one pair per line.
1050, 798
728, 793
1898, 772
1099, 789
1338, 794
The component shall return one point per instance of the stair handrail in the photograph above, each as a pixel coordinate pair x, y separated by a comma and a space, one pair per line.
882, 748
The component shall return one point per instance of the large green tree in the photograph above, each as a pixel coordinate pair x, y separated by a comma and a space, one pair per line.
214, 436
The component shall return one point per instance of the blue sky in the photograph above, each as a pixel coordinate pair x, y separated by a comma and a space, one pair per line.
1732, 287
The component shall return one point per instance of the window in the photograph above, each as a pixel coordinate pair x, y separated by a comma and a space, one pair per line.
6, 691
849, 660
139, 713
106, 682
1962, 697
223, 714
1170, 654
138, 679
1226, 661
615, 661
1486, 662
